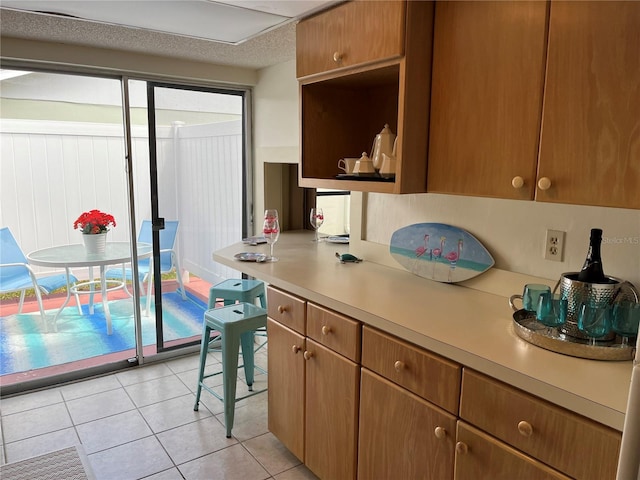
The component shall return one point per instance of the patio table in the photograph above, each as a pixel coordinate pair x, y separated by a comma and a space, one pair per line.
72, 256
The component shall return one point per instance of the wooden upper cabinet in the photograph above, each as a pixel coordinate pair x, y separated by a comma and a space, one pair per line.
590, 143
348, 35
383, 77
486, 99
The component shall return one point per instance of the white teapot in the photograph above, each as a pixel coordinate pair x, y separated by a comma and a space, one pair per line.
382, 144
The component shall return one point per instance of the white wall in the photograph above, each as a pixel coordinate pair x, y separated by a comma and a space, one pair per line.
275, 124
513, 231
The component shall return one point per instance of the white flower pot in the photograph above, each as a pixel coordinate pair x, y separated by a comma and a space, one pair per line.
95, 243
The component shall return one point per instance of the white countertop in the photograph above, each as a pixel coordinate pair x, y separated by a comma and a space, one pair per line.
465, 325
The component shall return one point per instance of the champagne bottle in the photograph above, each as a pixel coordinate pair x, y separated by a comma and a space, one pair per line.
592, 269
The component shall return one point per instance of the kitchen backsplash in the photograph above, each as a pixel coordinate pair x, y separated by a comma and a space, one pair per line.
514, 231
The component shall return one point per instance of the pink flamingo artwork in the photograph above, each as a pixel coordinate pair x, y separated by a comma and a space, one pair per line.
422, 249
437, 253
453, 258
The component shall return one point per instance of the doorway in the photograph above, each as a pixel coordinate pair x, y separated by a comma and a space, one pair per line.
64, 151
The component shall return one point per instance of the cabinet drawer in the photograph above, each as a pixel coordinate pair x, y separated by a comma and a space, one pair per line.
425, 374
337, 332
547, 432
481, 457
351, 34
286, 309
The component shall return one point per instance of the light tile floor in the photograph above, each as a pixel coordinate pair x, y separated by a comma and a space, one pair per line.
140, 423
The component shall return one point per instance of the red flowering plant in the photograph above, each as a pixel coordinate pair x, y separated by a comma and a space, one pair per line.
94, 222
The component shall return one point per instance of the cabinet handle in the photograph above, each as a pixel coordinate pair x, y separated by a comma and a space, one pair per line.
544, 183
307, 355
462, 448
281, 309
295, 349
517, 182
440, 432
326, 330
525, 429
399, 366
337, 57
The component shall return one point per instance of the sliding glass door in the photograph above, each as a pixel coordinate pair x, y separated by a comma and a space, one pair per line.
197, 179
178, 161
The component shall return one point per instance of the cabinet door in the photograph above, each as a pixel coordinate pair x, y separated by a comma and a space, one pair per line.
486, 99
539, 428
481, 457
351, 34
590, 144
286, 386
332, 384
398, 436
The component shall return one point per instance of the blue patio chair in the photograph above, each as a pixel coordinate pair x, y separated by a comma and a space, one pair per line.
168, 258
17, 276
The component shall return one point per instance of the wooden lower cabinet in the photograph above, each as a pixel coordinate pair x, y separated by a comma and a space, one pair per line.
574, 445
286, 386
365, 414
331, 417
401, 434
481, 457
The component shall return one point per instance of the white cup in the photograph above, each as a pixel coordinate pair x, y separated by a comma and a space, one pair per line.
347, 165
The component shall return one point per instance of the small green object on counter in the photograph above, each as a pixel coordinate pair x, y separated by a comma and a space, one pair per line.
347, 258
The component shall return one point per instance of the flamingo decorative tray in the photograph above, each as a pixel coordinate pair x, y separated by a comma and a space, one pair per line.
440, 252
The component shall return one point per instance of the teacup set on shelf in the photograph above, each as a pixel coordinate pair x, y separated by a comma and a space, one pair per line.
381, 162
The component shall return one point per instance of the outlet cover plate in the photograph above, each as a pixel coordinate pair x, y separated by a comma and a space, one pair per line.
554, 245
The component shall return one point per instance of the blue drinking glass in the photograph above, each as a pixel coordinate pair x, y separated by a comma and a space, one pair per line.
594, 321
625, 320
552, 310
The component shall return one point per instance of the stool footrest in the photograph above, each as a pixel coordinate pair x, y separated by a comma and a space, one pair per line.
221, 398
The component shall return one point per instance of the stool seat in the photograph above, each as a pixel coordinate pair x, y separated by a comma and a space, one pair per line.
236, 324
238, 290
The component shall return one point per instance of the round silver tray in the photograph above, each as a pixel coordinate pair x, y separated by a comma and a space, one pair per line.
529, 329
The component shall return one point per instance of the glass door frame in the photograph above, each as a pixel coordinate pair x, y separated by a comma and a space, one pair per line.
247, 190
157, 220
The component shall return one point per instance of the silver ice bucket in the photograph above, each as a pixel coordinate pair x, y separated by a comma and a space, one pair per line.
600, 294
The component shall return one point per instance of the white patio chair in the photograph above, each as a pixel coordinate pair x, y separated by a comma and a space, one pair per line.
17, 276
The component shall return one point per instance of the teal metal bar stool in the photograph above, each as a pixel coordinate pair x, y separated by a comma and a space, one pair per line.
238, 290
236, 324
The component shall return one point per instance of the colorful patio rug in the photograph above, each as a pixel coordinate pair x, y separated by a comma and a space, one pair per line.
25, 346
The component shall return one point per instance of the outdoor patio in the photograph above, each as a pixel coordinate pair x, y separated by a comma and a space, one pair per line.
24, 340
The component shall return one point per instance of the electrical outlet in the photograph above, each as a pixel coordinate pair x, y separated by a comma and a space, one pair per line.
554, 245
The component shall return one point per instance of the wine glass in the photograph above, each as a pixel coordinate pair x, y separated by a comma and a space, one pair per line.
271, 231
626, 316
316, 217
594, 321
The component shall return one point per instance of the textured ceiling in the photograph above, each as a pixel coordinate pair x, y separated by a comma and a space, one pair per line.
270, 48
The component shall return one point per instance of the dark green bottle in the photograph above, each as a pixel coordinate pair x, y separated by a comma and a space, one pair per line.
592, 271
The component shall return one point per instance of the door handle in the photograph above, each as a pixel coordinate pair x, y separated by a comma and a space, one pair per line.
157, 224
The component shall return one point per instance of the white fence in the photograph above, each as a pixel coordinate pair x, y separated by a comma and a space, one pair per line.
50, 172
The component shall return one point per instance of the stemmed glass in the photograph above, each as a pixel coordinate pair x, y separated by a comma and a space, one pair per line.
626, 316
594, 321
271, 231
316, 217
